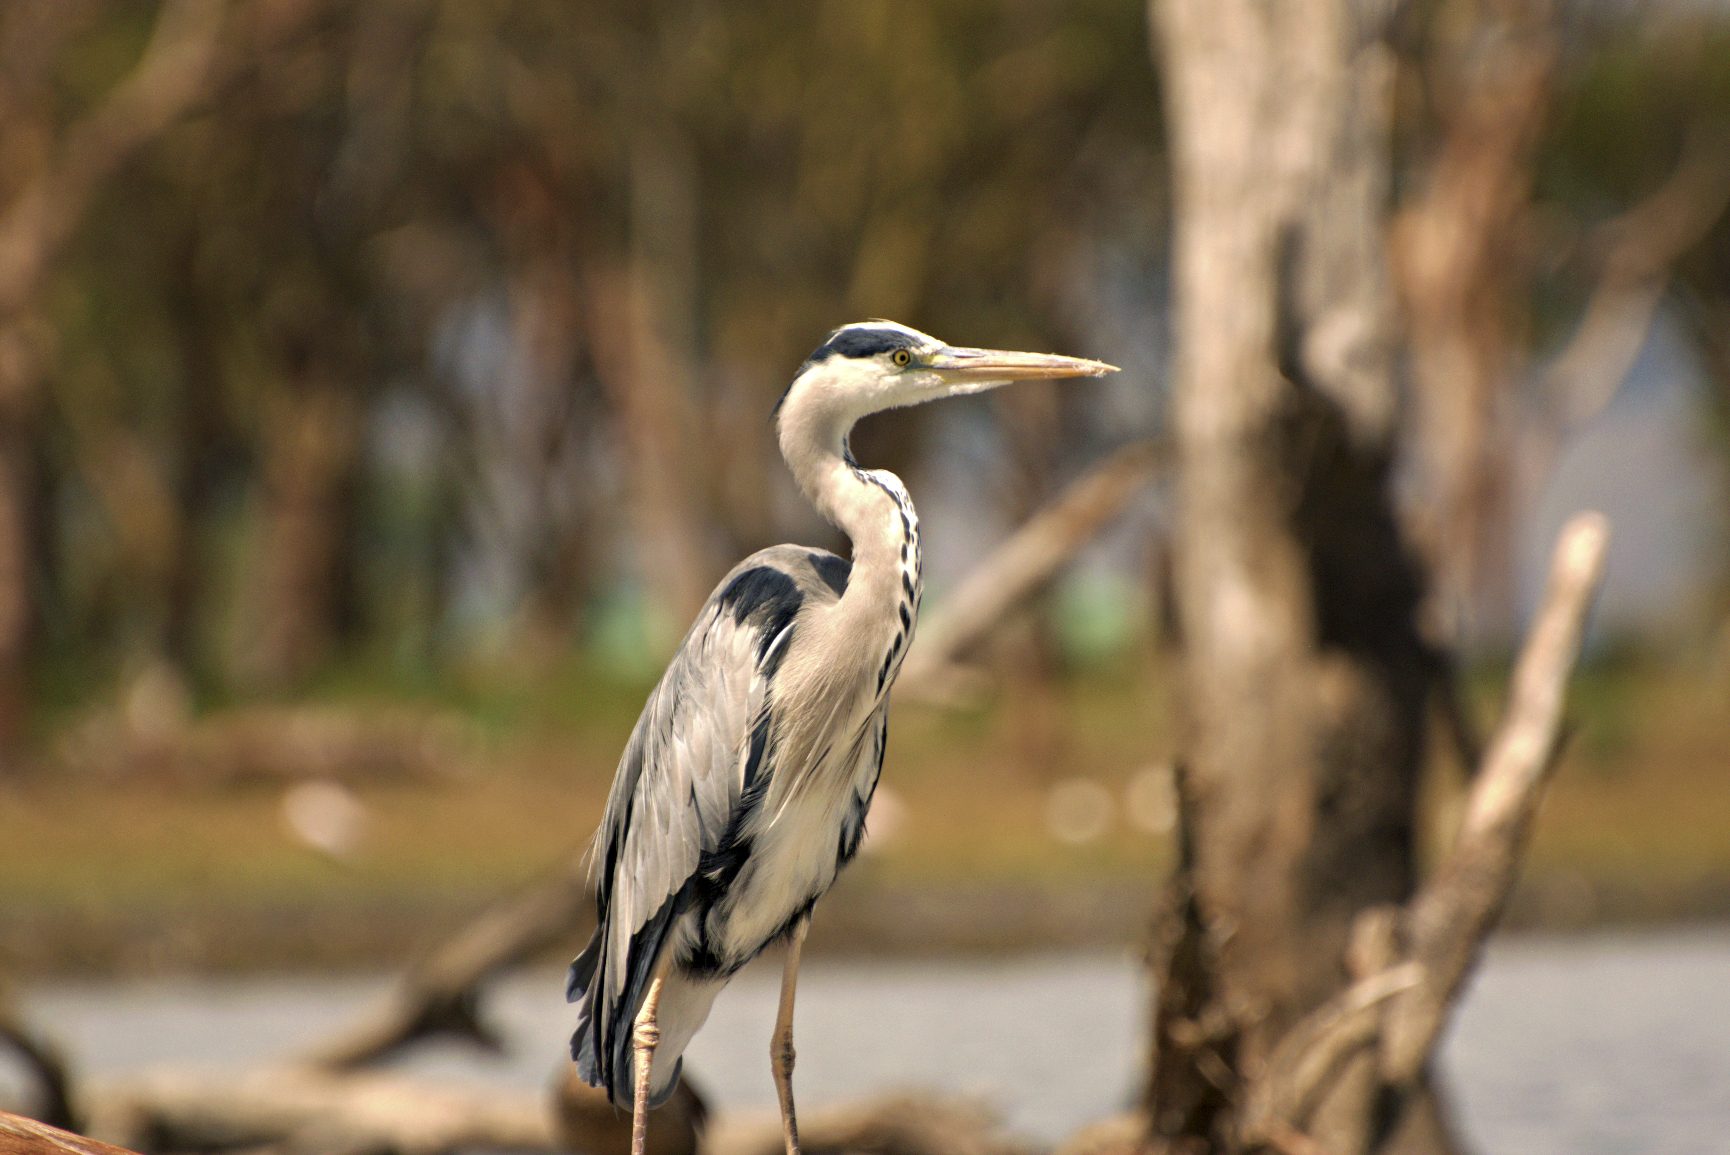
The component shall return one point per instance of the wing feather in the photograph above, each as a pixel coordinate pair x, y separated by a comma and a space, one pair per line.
678, 786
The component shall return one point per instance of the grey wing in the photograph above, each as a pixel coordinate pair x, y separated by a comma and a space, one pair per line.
699, 742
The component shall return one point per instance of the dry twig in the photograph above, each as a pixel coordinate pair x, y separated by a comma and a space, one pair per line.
441, 994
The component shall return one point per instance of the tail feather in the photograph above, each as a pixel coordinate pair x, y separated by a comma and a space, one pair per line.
601, 1043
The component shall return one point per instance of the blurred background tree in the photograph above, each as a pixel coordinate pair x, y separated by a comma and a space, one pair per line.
420, 326
415, 351
406, 329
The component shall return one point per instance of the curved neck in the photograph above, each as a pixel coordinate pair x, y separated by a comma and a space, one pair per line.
871, 508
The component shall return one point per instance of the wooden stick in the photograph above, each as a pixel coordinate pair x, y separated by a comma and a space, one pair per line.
441, 994
1449, 919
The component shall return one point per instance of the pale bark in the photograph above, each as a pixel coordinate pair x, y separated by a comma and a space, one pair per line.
305, 1109
1305, 679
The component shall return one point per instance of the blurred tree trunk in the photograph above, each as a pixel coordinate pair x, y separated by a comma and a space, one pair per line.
1305, 678
199, 431
21, 510
1464, 272
51, 174
644, 351
303, 577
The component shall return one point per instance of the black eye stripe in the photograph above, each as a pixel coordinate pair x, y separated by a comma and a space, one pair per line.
857, 341
863, 342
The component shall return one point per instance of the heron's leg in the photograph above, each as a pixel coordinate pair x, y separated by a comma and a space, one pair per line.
645, 1035
781, 1046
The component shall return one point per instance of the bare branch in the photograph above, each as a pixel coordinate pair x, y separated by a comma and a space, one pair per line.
168, 78
1637, 250
45, 1063
1453, 914
1404, 992
441, 995
1320, 1044
1026, 563
301, 1109
21, 1136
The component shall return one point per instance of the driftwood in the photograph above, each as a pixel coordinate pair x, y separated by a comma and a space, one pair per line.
441, 994
892, 1125
1411, 962
43, 1062
21, 1136
299, 1109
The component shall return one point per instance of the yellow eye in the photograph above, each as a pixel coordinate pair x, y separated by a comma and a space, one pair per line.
901, 357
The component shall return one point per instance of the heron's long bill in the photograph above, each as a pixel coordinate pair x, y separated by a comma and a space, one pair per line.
962, 364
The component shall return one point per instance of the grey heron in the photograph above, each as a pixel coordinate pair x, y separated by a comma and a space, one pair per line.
744, 787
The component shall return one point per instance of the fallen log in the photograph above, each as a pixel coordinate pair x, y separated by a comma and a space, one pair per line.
300, 1109
21, 1136
305, 1109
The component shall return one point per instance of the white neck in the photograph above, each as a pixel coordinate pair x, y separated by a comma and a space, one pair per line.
871, 508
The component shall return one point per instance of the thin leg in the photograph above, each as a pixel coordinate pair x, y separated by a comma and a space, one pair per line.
781, 1046
645, 1035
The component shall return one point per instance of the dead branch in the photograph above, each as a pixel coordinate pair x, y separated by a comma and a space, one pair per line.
1423, 953
44, 1062
297, 1109
21, 1136
892, 1125
1025, 564
168, 78
1452, 915
441, 994
1313, 1052
302, 1109
1636, 251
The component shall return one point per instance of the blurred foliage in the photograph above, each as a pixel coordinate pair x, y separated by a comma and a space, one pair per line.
403, 348
387, 298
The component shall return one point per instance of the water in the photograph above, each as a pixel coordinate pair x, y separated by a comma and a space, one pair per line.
1580, 1046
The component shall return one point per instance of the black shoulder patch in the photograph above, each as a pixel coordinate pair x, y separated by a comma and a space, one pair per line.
769, 600
833, 570
761, 590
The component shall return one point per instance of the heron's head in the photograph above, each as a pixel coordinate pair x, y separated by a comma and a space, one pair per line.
877, 365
